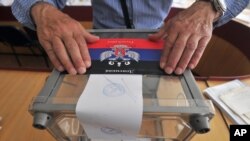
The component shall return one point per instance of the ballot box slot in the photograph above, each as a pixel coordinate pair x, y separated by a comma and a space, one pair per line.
121, 33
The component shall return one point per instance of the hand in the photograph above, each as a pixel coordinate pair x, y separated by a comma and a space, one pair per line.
186, 36
63, 38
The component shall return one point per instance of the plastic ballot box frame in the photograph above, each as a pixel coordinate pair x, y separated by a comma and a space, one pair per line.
173, 106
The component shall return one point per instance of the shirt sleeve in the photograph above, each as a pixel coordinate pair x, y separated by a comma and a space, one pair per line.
234, 7
21, 10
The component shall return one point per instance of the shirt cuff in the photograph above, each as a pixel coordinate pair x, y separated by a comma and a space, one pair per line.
31, 22
21, 10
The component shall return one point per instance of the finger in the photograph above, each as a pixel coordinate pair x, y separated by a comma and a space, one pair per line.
168, 45
52, 56
158, 35
176, 53
198, 52
74, 53
62, 55
188, 52
83, 50
164, 56
90, 38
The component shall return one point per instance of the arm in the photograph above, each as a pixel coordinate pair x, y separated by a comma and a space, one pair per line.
234, 7
188, 33
63, 38
21, 10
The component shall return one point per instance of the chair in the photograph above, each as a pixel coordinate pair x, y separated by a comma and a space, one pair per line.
15, 37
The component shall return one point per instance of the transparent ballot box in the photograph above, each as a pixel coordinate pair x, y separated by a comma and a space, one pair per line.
173, 107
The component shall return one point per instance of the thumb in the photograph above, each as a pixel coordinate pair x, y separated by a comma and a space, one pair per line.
158, 35
90, 38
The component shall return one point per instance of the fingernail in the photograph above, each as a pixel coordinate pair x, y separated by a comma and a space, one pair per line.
72, 71
162, 64
178, 71
88, 64
191, 66
168, 70
60, 68
81, 70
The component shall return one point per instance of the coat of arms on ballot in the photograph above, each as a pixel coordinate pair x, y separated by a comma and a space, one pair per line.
119, 55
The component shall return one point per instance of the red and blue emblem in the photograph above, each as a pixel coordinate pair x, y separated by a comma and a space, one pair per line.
128, 56
119, 54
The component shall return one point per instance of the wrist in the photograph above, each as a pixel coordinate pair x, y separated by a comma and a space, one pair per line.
218, 5
208, 5
38, 10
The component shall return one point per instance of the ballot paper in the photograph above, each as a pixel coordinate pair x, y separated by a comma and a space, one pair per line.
110, 107
239, 101
216, 91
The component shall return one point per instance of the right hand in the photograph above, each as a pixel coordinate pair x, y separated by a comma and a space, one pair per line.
63, 38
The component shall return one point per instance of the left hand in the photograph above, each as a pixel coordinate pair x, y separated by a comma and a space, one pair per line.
186, 36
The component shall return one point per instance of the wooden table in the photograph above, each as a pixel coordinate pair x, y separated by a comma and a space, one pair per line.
17, 88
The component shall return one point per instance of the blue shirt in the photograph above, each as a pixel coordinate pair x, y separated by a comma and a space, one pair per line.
143, 14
